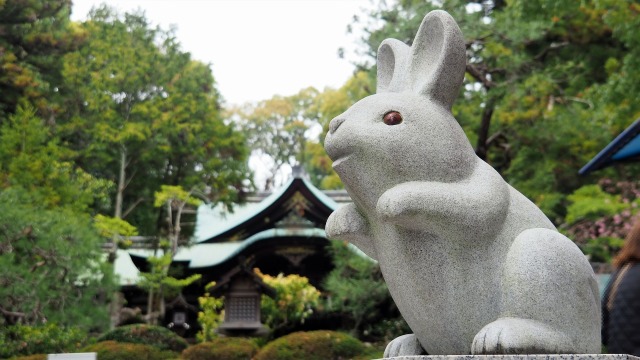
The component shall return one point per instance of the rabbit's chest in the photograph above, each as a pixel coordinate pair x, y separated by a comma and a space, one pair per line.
442, 279
432, 257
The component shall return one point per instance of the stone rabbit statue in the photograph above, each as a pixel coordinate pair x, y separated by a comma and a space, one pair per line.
473, 265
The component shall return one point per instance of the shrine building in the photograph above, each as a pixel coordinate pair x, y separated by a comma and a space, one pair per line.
278, 232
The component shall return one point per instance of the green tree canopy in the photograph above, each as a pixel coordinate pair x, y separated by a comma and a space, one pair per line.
278, 129
289, 130
35, 35
51, 263
143, 114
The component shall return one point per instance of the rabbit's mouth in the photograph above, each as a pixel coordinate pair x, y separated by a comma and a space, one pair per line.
338, 162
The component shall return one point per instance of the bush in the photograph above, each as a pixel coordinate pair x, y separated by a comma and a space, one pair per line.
295, 301
156, 336
111, 350
222, 349
19, 340
210, 317
357, 292
312, 345
31, 357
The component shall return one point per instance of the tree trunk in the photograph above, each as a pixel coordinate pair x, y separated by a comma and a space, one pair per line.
115, 306
482, 147
150, 313
121, 182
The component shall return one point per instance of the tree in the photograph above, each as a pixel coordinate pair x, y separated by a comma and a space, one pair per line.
111, 81
159, 285
35, 36
277, 129
51, 264
357, 291
32, 159
289, 130
158, 282
115, 231
143, 114
86, 110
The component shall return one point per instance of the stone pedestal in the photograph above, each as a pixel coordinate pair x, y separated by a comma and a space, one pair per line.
520, 357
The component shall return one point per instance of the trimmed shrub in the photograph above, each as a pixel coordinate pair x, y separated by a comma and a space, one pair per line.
222, 349
31, 357
156, 336
111, 350
17, 340
312, 345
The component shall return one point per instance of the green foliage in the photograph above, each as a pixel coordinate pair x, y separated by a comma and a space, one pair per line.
590, 202
158, 277
142, 114
114, 230
290, 130
51, 265
159, 284
174, 194
602, 249
313, 345
31, 158
50, 338
35, 36
600, 216
32, 357
276, 129
358, 292
222, 349
156, 336
295, 300
111, 350
109, 227
210, 316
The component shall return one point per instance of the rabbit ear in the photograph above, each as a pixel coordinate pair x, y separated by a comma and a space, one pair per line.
393, 56
438, 60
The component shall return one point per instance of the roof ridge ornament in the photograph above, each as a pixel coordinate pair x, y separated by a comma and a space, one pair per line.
298, 172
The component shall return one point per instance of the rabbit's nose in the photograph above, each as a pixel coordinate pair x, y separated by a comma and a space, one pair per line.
335, 124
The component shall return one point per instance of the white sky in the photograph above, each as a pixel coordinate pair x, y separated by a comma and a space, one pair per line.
257, 48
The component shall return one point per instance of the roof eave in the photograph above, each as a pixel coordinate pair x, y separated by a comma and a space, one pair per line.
605, 157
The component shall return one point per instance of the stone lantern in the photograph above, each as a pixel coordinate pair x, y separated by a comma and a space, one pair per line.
242, 290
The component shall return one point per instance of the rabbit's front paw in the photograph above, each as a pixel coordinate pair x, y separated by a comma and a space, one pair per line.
391, 205
403, 205
404, 345
519, 336
346, 223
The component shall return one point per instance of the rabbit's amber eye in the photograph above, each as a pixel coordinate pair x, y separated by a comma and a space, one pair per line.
392, 118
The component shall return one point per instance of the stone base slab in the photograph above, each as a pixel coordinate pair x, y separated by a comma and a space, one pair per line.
519, 357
